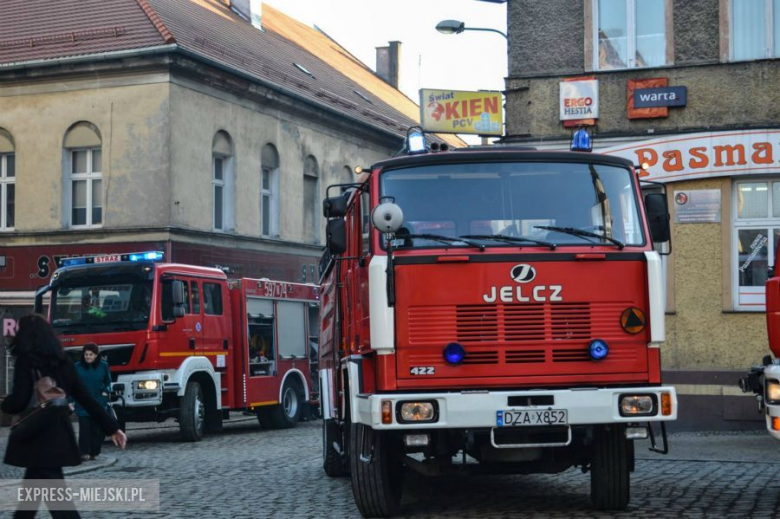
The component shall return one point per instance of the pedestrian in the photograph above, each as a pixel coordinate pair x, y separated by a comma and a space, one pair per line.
96, 375
38, 353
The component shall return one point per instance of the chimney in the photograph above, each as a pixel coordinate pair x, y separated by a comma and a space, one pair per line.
387, 63
252, 10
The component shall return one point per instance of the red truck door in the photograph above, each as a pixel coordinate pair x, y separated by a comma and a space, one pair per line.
183, 333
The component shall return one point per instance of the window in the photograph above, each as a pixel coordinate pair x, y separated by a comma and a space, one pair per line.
311, 223
7, 182
222, 181
195, 298
262, 350
84, 178
526, 200
212, 298
269, 191
755, 29
629, 34
756, 235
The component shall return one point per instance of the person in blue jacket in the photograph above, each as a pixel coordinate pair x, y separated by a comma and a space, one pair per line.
96, 376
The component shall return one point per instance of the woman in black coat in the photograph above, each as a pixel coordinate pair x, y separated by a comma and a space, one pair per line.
36, 348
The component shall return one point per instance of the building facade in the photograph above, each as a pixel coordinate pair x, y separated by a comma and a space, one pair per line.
688, 87
201, 128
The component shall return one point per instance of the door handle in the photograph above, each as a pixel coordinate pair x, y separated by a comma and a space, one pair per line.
192, 343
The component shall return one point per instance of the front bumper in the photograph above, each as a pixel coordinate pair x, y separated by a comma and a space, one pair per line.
771, 374
477, 409
132, 396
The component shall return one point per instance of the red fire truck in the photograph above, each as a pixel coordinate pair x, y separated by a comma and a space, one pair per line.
764, 379
185, 342
492, 310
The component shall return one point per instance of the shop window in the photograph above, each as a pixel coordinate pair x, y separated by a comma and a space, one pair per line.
7, 182
629, 34
756, 234
269, 192
83, 190
755, 29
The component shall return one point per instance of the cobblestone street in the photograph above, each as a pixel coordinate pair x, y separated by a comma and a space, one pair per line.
250, 472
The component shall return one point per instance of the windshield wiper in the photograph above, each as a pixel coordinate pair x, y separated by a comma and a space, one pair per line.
441, 239
510, 239
579, 232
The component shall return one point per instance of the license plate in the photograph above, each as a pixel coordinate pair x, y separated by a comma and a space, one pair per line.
531, 418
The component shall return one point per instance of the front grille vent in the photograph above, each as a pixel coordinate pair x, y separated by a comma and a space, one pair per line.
524, 356
481, 357
477, 323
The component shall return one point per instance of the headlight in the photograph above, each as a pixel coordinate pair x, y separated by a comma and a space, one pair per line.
772, 391
637, 405
418, 412
149, 385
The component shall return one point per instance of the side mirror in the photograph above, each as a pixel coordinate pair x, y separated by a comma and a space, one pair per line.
178, 311
335, 206
336, 233
178, 293
658, 217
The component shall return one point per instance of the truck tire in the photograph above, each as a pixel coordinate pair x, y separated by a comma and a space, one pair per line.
610, 469
332, 461
192, 413
287, 413
377, 471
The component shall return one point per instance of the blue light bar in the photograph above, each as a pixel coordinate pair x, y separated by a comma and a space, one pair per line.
415, 143
146, 256
112, 258
69, 262
581, 141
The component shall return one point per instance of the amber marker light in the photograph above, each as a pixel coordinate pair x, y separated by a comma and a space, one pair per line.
776, 423
633, 320
666, 404
387, 412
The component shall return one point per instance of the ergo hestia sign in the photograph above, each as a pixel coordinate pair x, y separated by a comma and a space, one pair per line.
579, 99
453, 111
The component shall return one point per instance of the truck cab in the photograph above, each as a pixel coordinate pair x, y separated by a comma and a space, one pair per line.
497, 306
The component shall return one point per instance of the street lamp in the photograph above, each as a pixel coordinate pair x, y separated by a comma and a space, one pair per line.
457, 27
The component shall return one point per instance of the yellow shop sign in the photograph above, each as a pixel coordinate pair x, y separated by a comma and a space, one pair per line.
453, 111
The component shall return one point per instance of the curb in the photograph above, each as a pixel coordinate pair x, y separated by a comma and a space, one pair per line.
69, 471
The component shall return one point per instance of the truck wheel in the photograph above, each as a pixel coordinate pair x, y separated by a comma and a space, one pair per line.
377, 471
332, 460
192, 413
610, 469
287, 413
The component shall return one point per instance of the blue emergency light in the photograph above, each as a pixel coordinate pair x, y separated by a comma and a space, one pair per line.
415, 141
581, 141
110, 258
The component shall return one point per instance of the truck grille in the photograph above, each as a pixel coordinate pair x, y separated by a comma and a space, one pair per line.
517, 334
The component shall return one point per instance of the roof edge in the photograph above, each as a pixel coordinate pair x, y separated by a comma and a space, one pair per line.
166, 34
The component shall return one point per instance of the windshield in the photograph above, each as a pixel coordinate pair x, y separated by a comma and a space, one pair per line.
107, 307
518, 199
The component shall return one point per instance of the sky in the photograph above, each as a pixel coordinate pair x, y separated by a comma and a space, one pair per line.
472, 60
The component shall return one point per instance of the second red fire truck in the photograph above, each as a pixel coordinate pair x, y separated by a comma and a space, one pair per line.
492, 310
186, 342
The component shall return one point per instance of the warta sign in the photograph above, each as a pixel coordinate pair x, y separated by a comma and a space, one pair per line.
453, 111
705, 155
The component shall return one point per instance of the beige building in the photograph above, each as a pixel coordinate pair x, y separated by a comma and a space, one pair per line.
690, 87
200, 128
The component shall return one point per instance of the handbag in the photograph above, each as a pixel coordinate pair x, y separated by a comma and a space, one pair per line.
47, 401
